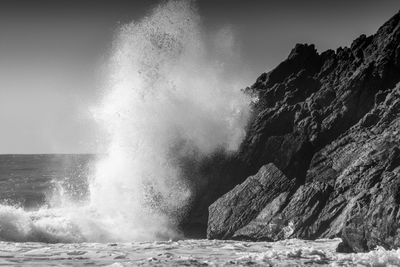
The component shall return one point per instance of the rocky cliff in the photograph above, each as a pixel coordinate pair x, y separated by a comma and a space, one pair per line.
325, 132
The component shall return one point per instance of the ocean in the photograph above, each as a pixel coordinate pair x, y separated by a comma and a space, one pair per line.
29, 181
31, 185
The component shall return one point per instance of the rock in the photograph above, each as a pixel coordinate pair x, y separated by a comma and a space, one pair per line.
281, 219
310, 99
362, 208
265, 227
330, 123
243, 203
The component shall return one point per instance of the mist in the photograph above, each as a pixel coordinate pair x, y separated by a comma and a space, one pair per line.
168, 97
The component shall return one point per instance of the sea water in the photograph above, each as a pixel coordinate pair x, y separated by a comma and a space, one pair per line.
32, 182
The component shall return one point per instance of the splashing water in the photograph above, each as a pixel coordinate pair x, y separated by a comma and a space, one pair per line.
165, 100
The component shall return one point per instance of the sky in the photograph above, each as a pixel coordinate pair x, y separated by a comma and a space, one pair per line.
51, 52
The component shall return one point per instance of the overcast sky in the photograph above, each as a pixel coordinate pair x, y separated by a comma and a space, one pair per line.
50, 52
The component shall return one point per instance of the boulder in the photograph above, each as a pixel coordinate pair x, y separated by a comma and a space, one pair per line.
244, 202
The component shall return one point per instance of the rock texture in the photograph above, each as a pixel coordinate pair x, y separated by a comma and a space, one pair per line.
330, 122
233, 210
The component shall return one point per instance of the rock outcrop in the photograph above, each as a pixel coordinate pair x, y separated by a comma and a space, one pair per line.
330, 123
233, 210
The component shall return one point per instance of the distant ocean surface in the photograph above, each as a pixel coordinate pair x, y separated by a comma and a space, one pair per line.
29, 181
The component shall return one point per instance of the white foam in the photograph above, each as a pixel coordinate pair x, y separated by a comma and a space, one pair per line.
377, 257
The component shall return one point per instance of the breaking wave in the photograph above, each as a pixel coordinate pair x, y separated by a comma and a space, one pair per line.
167, 97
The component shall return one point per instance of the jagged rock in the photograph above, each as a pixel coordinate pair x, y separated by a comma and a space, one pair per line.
310, 99
331, 123
365, 169
240, 205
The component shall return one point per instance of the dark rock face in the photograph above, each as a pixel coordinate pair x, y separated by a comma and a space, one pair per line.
236, 208
362, 209
331, 123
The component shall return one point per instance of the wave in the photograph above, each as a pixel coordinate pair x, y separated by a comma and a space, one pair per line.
70, 225
44, 225
167, 96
